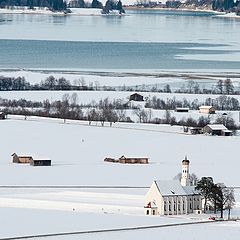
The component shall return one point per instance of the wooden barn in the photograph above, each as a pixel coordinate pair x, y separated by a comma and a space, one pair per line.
21, 158
207, 109
41, 162
2, 115
126, 160
136, 97
217, 129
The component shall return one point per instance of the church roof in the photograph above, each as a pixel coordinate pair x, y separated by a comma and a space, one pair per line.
174, 188
170, 187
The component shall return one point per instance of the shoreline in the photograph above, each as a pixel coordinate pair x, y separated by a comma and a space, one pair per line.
46, 11
195, 10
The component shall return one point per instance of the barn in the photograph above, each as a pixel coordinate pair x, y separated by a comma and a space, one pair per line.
131, 160
136, 97
207, 109
21, 158
217, 130
41, 162
2, 115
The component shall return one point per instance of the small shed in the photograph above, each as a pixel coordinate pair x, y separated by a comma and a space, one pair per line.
195, 130
136, 97
217, 129
207, 109
129, 160
21, 158
2, 115
179, 109
41, 162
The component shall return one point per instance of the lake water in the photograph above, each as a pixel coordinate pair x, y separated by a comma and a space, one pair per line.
140, 40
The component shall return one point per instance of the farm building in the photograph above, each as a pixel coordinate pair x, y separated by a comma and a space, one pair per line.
173, 197
136, 97
128, 160
40, 162
182, 109
21, 158
124, 159
207, 109
195, 130
217, 129
2, 115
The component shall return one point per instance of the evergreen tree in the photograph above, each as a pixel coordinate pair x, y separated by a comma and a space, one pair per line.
96, 4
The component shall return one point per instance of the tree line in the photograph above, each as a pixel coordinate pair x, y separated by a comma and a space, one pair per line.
104, 111
220, 103
61, 5
222, 87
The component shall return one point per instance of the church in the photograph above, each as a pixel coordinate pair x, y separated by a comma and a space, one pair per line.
172, 197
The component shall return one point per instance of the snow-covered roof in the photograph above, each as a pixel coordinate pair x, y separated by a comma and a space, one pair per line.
190, 190
41, 159
170, 187
174, 188
206, 107
217, 127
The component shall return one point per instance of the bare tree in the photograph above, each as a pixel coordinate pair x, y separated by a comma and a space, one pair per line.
219, 86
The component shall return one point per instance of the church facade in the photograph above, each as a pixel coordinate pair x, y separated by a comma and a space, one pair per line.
172, 197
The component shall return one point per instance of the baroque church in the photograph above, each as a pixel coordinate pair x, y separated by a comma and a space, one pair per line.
172, 197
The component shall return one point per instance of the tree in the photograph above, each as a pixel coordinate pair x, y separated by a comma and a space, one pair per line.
219, 86
228, 85
204, 186
96, 4
224, 198
92, 115
140, 113
119, 7
167, 89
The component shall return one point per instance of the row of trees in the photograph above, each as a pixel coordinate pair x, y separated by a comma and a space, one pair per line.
225, 5
222, 87
220, 103
61, 5
104, 111
54, 5
68, 108
219, 5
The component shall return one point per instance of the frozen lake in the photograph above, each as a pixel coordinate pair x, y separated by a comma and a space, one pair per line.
145, 39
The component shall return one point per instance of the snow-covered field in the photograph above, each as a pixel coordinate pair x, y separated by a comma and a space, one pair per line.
77, 152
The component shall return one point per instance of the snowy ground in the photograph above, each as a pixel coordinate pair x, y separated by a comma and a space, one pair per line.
77, 152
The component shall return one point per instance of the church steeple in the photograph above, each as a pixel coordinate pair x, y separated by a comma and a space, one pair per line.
185, 179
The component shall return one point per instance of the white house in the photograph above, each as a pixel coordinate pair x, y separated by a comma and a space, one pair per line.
173, 197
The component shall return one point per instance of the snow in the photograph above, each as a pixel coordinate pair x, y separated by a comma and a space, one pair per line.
228, 15
77, 152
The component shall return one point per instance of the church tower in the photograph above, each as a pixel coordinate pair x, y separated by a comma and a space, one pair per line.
185, 179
